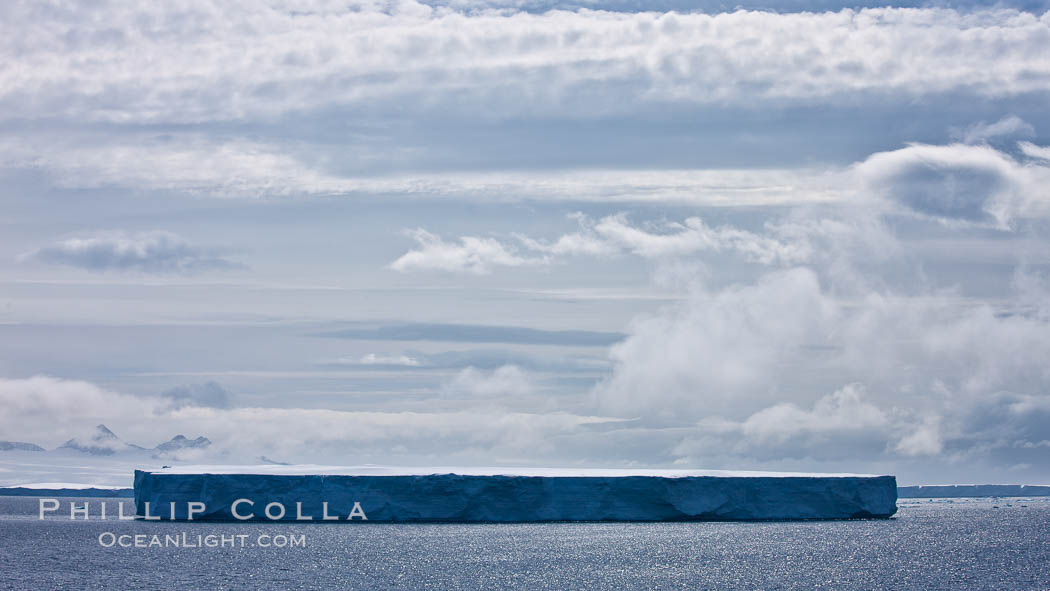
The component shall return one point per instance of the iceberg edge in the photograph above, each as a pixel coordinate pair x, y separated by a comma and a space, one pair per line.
485, 498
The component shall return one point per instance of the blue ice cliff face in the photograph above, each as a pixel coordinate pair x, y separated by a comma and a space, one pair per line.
508, 498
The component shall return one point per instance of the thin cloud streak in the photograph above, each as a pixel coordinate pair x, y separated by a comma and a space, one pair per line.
475, 333
147, 252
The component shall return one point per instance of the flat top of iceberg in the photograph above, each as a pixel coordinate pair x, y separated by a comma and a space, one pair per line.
971, 485
371, 470
62, 485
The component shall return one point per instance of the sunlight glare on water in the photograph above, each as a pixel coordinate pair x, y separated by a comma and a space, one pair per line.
930, 544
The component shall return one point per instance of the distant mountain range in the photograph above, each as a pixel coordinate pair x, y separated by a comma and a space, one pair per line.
180, 443
19, 446
104, 442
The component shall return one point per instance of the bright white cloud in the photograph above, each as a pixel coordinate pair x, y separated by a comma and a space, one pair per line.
132, 63
615, 233
959, 182
721, 350
841, 424
302, 98
840, 412
374, 359
149, 252
1009, 126
611, 235
925, 440
471, 254
929, 372
747, 344
1033, 151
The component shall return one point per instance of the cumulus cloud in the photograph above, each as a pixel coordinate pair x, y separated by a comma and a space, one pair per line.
958, 182
747, 344
928, 376
613, 235
840, 412
721, 350
954, 184
925, 440
1033, 151
471, 254
843, 424
47, 410
374, 359
148, 252
729, 377
980, 132
800, 363
144, 65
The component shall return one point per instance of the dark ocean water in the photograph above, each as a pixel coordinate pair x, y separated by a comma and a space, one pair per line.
930, 544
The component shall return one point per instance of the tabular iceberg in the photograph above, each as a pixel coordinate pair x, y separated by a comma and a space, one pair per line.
377, 494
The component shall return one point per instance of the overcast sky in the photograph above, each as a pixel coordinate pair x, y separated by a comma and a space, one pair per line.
789, 236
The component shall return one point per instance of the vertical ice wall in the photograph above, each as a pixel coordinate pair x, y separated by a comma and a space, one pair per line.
502, 497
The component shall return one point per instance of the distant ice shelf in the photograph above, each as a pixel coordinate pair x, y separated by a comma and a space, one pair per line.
66, 491
383, 494
974, 490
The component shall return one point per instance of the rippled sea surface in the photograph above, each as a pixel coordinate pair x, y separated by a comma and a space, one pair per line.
930, 544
